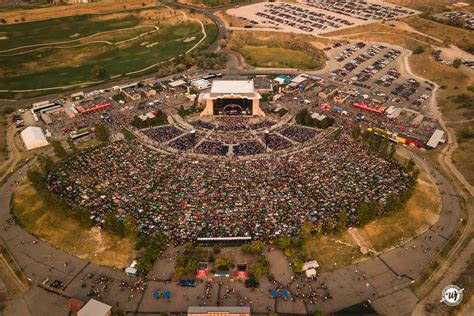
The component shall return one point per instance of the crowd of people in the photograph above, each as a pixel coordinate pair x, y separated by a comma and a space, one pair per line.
211, 148
299, 134
276, 142
163, 134
185, 197
252, 147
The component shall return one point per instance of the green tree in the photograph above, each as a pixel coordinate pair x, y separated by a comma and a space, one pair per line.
457, 63
72, 145
36, 178
254, 247
98, 73
58, 149
409, 165
363, 215
356, 132
342, 222
46, 163
102, 132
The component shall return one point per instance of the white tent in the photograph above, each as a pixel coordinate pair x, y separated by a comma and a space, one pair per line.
33, 137
95, 308
310, 273
310, 265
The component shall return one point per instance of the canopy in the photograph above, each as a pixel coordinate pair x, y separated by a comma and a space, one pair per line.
33, 137
156, 294
284, 293
166, 294
274, 294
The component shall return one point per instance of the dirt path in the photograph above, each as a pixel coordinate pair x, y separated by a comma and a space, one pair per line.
13, 153
377, 33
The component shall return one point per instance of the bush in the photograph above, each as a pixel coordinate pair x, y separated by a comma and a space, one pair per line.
419, 50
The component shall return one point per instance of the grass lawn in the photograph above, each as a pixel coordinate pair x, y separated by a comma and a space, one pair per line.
128, 135
64, 232
276, 57
53, 67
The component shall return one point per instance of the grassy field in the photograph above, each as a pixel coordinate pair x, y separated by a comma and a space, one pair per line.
14, 14
212, 3
57, 67
271, 50
276, 57
64, 232
341, 250
449, 34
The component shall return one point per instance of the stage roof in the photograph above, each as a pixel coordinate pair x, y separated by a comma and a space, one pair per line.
234, 88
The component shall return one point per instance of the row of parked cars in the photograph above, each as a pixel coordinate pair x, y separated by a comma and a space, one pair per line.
362, 10
387, 79
378, 65
349, 51
300, 17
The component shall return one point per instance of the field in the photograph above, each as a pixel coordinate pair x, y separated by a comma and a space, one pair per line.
64, 232
212, 3
448, 34
341, 250
276, 57
14, 14
38, 55
282, 50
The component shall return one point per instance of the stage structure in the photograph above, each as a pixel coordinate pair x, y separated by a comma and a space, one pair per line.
232, 97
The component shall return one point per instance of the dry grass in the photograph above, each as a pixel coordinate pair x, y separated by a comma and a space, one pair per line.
69, 10
422, 5
420, 212
275, 57
463, 159
383, 32
332, 255
449, 34
64, 232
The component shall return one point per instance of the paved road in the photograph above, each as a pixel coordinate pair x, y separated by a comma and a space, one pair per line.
383, 279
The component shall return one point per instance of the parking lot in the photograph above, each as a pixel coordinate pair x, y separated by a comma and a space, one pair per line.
315, 17
377, 70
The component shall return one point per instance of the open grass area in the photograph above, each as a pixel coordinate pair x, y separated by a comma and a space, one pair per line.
276, 57
331, 254
271, 50
16, 14
212, 3
57, 67
449, 34
64, 232
421, 210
